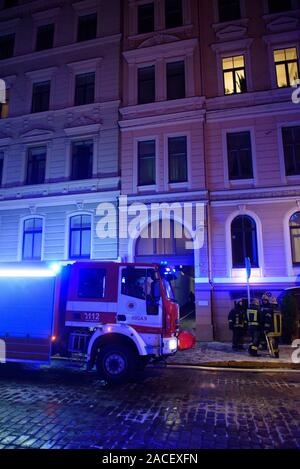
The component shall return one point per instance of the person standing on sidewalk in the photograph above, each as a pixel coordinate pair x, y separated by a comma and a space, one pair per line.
237, 324
266, 309
255, 326
273, 327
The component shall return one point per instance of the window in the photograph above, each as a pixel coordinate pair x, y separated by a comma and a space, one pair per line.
11, 3
173, 13
4, 107
1, 166
84, 89
36, 165
146, 85
87, 27
80, 237
146, 163
175, 80
142, 284
32, 239
291, 147
239, 155
276, 6
295, 238
229, 10
177, 149
234, 75
91, 283
7, 46
82, 159
40, 97
244, 241
45, 37
146, 18
287, 68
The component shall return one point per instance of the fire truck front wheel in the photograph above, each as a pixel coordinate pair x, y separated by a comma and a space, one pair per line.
116, 363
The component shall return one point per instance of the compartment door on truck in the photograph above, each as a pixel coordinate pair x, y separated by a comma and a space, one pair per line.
26, 317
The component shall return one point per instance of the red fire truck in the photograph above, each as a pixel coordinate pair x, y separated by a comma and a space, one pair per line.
115, 316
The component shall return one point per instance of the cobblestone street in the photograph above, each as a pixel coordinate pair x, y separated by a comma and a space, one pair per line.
167, 408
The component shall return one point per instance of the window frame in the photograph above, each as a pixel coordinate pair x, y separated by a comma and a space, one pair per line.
138, 7
178, 183
38, 28
28, 150
22, 237
165, 16
285, 63
39, 83
253, 232
228, 20
153, 183
92, 163
141, 67
77, 76
239, 178
233, 72
168, 62
69, 237
85, 15
13, 45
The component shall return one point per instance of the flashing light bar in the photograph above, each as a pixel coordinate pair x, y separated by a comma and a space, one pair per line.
11, 272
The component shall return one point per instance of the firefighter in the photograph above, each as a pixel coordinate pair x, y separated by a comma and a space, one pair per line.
273, 327
237, 324
265, 309
255, 326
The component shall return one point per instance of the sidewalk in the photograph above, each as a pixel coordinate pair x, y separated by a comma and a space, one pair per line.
216, 354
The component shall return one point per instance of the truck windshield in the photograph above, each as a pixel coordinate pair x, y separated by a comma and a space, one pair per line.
168, 289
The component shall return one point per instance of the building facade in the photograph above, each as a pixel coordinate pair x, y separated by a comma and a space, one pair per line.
193, 103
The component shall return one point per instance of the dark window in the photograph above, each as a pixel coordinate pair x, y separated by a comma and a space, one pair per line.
234, 75
85, 89
239, 155
177, 148
91, 283
173, 13
287, 67
32, 239
1, 166
276, 6
7, 45
82, 159
40, 97
45, 37
11, 3
80, 237
146, 85
229, 10
291, 146
295, 237
244, 241
146, 18
36, 165
146, 163
87, 27
175, 80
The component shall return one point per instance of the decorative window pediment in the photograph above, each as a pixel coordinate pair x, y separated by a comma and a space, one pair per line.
283, 23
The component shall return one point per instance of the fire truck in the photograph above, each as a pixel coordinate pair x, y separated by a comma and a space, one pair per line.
114, 316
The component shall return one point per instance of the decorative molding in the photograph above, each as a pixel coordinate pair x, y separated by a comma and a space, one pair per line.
157, 39
37, 134
283, 23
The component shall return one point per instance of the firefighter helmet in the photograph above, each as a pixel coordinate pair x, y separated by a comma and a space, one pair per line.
265, 297
255, 302
274, 300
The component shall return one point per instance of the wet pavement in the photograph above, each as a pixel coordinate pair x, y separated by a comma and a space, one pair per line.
167, 408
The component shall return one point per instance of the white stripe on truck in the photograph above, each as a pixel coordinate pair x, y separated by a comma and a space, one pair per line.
92, 306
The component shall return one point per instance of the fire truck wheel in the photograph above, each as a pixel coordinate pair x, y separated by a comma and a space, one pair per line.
116, 363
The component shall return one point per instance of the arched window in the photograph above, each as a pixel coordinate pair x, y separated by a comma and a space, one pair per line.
295, 237
80, 237
32, 239
244, 241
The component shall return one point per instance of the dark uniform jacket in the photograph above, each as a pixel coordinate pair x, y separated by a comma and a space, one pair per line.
237, 318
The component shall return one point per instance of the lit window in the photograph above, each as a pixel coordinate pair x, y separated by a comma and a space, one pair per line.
177, 149
87, 27
7, 46
234, 75
45, 37
82, 159
229, 10
80, 237
176, 80
36, 165
85, 89
239, 155
291, 146
40, 97
173, 13
146, 18
146, 163
32, 239
295, 237
1, 166
287, 68
277, 6
244, 241
146, 85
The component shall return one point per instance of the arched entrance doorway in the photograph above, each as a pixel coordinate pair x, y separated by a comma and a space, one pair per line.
176, 252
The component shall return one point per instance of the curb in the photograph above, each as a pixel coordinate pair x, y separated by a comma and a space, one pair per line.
240, 364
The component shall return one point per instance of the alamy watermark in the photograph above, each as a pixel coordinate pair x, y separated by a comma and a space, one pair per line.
2, 91
152, 221
2, 351
296, 353
296, 92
